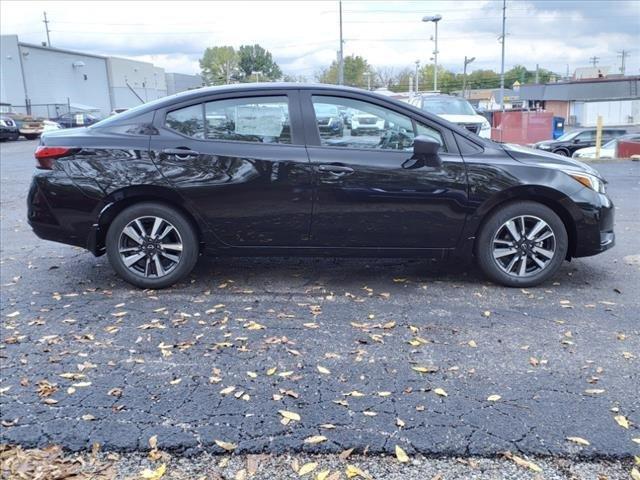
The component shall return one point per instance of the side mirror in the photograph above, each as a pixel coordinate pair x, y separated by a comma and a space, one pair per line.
425, 153
576, 140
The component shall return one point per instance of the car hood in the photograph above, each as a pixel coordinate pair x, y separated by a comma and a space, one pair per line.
546, 142
537, 157
462, 118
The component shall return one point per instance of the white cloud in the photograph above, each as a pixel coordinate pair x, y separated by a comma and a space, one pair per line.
303, 36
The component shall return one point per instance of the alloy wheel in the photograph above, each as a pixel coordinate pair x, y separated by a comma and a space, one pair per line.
150, 247
524, 246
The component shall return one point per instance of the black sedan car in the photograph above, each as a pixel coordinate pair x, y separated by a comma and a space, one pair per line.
156, 186
8, 129
568, 143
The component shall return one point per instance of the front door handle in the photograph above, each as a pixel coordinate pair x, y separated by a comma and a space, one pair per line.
180, 152
337, 170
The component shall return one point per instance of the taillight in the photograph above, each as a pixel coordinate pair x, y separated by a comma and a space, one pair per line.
46, 155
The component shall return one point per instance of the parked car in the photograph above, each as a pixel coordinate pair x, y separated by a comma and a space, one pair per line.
48, 125
169, 189
29, 127
329, 120
574, 140
454, 109
608, 150
363, 123
76, 119
8, 129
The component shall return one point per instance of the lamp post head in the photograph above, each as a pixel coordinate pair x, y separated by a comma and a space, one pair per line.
432, 18
469, 60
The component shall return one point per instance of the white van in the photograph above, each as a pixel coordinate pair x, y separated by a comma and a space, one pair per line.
455, 110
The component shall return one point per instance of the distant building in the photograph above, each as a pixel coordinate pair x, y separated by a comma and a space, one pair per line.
580, 102
584, 73
47, 82
180, 82
490, 99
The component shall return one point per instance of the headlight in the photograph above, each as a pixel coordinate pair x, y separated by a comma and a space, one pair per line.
544, 147
588, 180
485, 126
3, 123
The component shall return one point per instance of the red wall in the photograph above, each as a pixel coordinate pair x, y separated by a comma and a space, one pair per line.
522, 127
627, 148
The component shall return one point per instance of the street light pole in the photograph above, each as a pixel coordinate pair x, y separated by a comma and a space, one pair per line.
467, 61
504, 21
417, 76
435, 19
341, 51
368, 75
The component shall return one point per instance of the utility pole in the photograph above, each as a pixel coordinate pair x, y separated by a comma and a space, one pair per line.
368, 75
341, 51
467, 61
417, 76
594, 60
504, 38
537, 73
46, 26
623, 54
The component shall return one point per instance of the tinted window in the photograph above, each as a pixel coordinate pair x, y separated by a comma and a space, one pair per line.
349, 123
188, 121
447, 106
255, 119
586, 136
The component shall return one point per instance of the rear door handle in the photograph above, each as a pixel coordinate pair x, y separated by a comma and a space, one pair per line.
180, 152
337, 170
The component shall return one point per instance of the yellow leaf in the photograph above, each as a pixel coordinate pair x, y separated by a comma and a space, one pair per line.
153, 442
315, 439
228, 446
289, 415
472, 344
526, 463
401, 455
355, 393
635, 474
493, 398
307, 468
322, 475
578, 440
441, 392
154, 474
622, 421
253, 326
324, 370
384, 394
421, 369
636, 440
271, 371
352, 471
227, 390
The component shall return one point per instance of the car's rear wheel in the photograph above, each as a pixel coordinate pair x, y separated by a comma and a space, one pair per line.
522, 244
152, 245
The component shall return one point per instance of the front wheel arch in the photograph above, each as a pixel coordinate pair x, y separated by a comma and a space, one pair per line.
553, 204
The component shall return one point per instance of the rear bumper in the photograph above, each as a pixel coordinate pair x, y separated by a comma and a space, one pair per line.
58, 211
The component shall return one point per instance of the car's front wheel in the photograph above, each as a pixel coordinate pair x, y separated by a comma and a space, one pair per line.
152, 245
522, 244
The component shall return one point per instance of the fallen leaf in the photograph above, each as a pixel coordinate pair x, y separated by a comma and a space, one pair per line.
622, 421
307, 468
322, 475
423, 369
289, 415
524, 463
315, 439
635, 473
441, 392
352, 471
401, 455
493, 398
228, 446
149, 474
578, 440
324, 370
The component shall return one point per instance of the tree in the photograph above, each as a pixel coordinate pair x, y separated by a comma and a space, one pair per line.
219, 65
385, 76
355, 67
254, 58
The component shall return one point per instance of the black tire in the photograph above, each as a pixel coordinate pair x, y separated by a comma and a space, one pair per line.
484, 246
561, 151
31, 136
186, 233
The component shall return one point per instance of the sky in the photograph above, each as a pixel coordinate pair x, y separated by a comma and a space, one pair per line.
303, 36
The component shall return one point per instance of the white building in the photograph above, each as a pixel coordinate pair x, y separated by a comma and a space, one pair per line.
47, 82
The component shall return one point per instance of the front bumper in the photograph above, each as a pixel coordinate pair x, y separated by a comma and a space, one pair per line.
9, 134
594, 233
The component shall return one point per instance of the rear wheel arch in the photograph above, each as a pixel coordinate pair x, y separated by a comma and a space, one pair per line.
548, 197
122, 199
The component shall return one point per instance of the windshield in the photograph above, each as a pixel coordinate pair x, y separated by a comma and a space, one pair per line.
567, 136
447, 106
611, 144
325, 109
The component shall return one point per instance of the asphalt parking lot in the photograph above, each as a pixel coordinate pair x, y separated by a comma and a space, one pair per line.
319, 355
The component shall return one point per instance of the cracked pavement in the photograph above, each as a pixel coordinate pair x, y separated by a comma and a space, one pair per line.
88, 358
